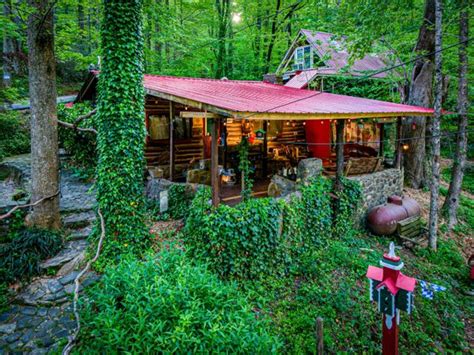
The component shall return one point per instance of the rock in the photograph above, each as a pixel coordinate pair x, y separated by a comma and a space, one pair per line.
79, 234
69, 278
28, 310
54, 286
155, 186
80, 219
308, 169
7, 328
90, 279
72, 265
198, 176
280, 186
163, 201
13, 337
72, 250
69, 289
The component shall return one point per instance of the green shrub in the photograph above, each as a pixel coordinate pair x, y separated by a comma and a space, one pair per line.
80, 145
168, 305
346, 207
180, 198
21, 258
14, 134
258, 237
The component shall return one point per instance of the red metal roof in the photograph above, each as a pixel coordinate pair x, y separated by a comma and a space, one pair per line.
239, 96
301, 79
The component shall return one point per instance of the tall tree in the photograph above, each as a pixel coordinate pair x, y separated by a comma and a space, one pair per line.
451, 203
223, 8
121, 130
433, 223
420, 94
44, 129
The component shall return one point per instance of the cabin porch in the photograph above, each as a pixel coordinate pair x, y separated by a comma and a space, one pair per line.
179, 146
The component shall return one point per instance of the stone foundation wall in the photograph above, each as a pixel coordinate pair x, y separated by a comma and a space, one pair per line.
376, 187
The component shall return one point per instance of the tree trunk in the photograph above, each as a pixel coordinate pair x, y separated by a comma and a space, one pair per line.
451, 203
272, 38
420, 93
435, 145
7, 47
223, 11
121, 128
44, 129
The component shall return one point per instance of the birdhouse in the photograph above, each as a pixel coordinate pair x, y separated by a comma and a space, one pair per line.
389, 287
393, 292
259, 134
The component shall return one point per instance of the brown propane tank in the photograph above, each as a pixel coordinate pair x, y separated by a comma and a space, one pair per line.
382, 219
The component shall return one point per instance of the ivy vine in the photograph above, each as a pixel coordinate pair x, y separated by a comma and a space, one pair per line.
244, 167
121, 129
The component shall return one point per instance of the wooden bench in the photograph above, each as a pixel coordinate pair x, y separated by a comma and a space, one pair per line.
411, 230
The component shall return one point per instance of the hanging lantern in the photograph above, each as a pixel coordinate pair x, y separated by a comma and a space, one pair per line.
405, 147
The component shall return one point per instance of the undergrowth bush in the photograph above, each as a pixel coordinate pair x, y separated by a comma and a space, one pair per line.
168, 305
259, 237
180, 198
14, 134
20, 258
80, 145
346, 208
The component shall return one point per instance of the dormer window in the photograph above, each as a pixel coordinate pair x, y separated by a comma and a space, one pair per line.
303, 58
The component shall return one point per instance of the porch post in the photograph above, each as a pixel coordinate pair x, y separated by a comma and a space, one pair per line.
171, 140
339, 153
265, 150
398, 144
215, 162
382, 140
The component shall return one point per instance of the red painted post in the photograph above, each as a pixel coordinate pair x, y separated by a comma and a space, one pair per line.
389, 337
393, 292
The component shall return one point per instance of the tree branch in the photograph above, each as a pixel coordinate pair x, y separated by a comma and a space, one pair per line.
9, 213
83, 117
73, 126
72, 339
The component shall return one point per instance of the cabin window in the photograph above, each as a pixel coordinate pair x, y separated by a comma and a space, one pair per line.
159, 127
303, 58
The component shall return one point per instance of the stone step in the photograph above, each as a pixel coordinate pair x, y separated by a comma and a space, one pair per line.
71, 250
78, 220
53, 291
80, 234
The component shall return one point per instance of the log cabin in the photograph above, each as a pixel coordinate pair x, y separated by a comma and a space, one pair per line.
194, 125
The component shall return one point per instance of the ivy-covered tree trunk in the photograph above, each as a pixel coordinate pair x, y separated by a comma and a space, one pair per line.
451, 203
121, 127
44, 124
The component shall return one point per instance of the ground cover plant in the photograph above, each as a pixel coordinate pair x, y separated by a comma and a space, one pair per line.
14, 134
20, 258
294, 284
468, 179
167, 304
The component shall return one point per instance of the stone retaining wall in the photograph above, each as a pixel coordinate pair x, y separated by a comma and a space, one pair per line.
376, 187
